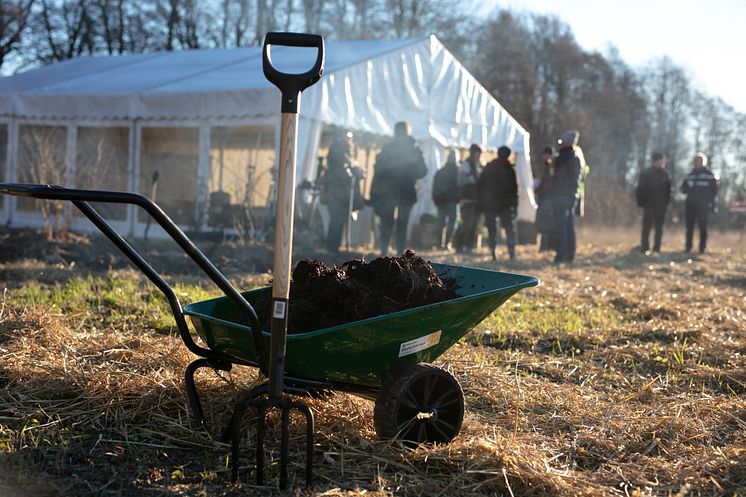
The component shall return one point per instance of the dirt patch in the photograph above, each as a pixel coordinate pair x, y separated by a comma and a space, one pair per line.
322, 296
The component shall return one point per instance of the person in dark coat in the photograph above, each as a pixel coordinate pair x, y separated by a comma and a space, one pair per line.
700, 187
544, 214
393, 189
563, 196
468, 176
653, 193
498, 198
445, 197
338, 182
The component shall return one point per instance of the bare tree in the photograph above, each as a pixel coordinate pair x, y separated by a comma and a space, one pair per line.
668, 90
13, 22
312, 14
41, 157
63, 30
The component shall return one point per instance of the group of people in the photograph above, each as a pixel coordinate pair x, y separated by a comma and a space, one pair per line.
490, 190
471, 190
653, 194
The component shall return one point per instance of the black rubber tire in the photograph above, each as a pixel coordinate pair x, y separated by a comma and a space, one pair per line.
419, 403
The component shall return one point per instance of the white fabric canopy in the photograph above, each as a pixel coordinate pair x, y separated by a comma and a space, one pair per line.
367, 85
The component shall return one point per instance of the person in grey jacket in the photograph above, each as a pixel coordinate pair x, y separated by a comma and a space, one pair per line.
468, 176
445, 197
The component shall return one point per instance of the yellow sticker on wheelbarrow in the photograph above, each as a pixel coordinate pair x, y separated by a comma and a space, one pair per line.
418, 344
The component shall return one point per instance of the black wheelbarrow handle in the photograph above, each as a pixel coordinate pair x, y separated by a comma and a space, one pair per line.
80, 199
292, 85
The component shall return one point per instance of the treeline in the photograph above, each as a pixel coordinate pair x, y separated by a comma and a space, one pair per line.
530, 62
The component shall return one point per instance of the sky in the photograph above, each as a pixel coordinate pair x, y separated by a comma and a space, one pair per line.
708, 38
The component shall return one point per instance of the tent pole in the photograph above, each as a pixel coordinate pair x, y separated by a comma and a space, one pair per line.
71, 152
11, 168
203, 177
133, 170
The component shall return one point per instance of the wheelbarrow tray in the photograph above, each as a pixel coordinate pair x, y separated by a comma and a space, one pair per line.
364, 352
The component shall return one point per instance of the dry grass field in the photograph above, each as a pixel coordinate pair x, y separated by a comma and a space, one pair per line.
620, 375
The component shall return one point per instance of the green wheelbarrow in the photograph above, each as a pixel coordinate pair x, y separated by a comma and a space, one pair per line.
384, 358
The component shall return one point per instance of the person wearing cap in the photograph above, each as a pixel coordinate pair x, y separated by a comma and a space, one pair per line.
544, 214
445, 197
653, 193
338, 183
563, 195
468, 176
393, 190
497, 191
700, 187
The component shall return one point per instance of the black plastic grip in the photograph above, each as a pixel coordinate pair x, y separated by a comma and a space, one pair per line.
291, 85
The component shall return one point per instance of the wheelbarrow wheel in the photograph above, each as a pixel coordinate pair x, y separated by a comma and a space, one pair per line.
419, 403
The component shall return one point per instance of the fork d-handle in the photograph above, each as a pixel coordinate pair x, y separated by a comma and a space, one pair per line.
291, 86
80, 199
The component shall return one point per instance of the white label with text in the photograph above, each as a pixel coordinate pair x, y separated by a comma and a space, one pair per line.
279, 310
418, 344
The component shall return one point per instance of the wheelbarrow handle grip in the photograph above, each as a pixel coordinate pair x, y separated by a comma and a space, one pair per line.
291, 85
81, 198
24, 190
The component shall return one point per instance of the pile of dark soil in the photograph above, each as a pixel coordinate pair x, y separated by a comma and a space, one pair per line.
322, 296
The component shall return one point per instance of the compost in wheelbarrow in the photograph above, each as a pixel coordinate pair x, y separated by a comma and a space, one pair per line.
323, 296
361, 355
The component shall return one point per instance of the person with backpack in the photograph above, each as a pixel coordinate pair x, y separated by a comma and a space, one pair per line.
393, 190
497, 191
653, 193
445, 197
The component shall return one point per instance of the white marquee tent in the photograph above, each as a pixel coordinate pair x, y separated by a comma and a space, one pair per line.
126, 114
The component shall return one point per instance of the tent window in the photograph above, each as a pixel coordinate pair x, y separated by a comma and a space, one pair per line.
241, 164
173, 154
41, 159
101, 164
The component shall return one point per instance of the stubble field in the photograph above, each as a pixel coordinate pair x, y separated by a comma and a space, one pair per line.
622, 374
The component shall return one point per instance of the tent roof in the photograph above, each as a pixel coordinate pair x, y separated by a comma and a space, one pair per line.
367, 85
209, 70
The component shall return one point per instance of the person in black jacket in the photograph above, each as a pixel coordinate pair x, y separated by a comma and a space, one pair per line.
653, 194
700, 187
498, 198
393, 189
563, 196
445, 197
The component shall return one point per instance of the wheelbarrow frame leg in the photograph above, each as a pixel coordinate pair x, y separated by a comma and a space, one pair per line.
191, 389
